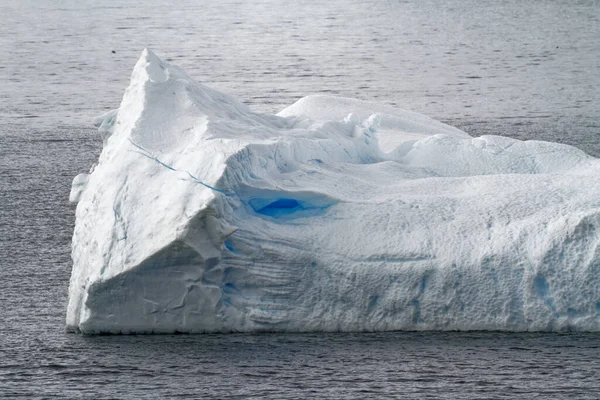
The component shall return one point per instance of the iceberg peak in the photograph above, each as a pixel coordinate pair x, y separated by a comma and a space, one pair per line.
150, 67
333, 215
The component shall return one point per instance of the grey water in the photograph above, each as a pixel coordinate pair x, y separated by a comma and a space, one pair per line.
526, 69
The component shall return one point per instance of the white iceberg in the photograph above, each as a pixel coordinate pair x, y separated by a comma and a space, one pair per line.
334, 215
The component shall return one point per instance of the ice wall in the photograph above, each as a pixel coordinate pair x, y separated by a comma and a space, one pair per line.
334, 215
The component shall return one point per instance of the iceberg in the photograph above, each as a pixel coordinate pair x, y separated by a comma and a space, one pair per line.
334, 215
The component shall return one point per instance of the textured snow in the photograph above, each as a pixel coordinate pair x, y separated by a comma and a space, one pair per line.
334, 215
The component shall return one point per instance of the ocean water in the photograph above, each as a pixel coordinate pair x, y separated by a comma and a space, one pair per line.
529, 70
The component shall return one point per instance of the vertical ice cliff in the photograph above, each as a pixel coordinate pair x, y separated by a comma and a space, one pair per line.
335, 214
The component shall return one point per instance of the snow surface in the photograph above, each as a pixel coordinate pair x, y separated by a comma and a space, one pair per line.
334, 215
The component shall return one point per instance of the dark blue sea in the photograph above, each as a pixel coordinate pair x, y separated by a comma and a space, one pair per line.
525, 69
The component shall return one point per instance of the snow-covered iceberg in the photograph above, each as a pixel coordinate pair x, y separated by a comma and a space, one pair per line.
334, 215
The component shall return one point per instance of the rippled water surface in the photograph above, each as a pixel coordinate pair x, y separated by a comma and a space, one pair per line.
530, 70
358, 366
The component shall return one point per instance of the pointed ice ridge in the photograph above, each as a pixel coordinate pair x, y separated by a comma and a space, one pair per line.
150, 67
334, 215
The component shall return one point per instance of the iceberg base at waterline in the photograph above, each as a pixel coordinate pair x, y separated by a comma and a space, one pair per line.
333, 215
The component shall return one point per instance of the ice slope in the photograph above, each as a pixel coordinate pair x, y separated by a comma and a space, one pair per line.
334, 215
